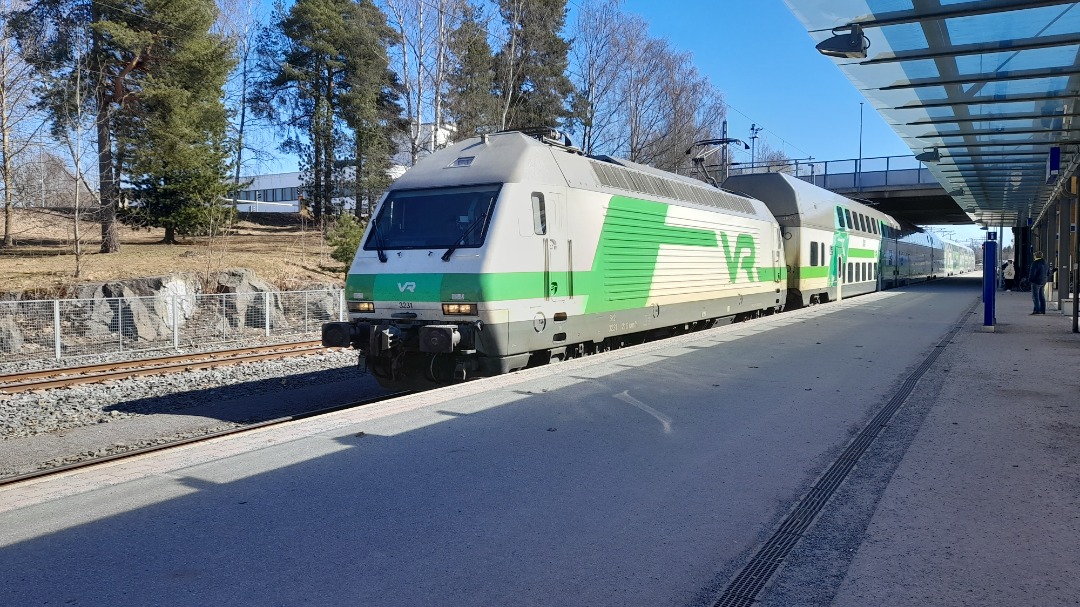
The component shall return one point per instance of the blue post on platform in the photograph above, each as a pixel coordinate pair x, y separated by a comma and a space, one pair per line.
989, 280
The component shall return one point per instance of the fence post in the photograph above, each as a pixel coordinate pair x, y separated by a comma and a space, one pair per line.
56, 327
266, 311
341, 306
224, 319
307, 310
175, 325
120, 323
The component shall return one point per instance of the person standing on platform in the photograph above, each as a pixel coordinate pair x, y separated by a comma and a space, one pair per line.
1037, 278
1009, 272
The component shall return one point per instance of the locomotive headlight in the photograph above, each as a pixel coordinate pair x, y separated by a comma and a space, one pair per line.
361, 306
459, 309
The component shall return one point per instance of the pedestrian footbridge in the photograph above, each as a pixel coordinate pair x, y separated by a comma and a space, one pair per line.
898, 185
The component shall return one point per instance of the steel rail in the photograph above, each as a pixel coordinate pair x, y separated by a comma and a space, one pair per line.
55, 378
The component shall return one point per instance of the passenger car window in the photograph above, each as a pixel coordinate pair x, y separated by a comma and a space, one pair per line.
813, 254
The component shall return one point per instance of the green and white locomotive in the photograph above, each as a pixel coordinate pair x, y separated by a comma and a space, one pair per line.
509, 250
515, 249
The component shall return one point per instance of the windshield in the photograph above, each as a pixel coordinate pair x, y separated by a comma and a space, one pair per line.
433, 219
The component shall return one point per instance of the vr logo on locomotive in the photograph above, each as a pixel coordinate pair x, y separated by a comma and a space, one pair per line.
408, 286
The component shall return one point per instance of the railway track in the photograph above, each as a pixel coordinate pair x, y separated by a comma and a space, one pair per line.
11, 480
58, 378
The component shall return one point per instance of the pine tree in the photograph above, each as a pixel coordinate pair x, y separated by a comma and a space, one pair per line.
326, 70
115, 51
370, 106
179, 159
531, 77
471, 105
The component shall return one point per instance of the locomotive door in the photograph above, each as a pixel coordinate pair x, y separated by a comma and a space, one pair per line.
557, 251
778, 256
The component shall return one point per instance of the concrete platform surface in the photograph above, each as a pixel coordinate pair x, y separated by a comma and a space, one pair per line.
647, 476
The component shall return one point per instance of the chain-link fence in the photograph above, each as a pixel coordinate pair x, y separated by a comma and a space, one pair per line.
67, 329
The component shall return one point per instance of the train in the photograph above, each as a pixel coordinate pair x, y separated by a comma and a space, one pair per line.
514, 249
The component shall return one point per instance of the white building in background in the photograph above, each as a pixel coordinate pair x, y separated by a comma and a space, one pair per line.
280, 192
273, 193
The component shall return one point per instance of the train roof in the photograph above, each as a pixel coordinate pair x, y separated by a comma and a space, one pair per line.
510, 157
797, 202
516, 157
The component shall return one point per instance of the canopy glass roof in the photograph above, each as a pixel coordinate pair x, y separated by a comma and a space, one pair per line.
987, 87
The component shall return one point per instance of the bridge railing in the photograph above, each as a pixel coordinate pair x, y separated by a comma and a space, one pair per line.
852, 174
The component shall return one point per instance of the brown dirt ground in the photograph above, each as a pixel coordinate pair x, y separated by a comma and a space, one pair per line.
282, 250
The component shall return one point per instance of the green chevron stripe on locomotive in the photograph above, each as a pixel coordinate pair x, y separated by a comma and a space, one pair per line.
510, 248
624, 273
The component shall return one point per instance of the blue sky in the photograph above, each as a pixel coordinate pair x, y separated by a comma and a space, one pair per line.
764, 62
762, 59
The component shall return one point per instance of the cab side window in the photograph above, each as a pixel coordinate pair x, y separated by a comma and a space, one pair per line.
539, 210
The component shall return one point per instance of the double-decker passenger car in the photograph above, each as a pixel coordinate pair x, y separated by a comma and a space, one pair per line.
833, 245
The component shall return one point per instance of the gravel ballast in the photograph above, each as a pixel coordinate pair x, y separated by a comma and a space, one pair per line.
66, 425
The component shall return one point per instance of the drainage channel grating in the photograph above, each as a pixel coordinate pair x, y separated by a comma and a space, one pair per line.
747, 584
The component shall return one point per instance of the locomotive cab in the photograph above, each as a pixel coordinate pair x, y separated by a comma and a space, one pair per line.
399, 308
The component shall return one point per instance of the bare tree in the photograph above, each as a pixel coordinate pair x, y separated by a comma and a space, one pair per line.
238, 23
18, 120
72, 127
690, 110
775, 161
599, 55
423, 28
642, 87
37, 176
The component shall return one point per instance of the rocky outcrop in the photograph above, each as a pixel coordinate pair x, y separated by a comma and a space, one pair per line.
11, 338
321, 302
142, 308
159, 309
250, 301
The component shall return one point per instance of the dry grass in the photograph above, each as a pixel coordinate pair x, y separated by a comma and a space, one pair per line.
280, 250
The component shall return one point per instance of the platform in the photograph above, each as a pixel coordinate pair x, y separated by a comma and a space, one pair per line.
647, 476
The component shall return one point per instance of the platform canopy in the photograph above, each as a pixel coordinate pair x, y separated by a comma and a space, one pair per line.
985, 92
